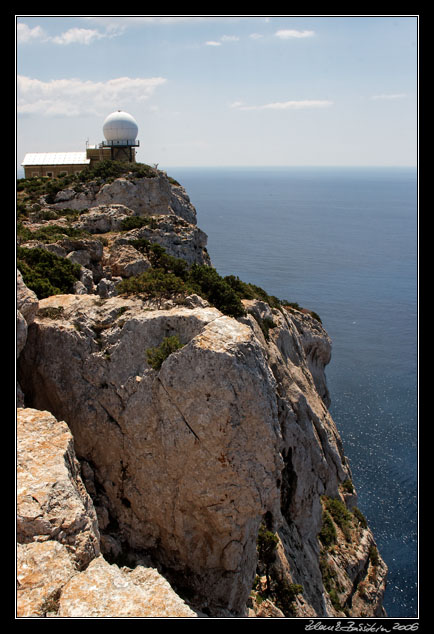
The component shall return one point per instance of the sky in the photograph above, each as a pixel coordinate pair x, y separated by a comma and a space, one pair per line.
223, 90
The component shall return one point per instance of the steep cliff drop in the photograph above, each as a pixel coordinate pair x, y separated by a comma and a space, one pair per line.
219, 465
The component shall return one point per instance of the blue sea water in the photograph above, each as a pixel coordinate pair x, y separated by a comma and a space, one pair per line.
342, 242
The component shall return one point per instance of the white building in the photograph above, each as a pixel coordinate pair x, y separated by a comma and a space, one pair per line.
120, 131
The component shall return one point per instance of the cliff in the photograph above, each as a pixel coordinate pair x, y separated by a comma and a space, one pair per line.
208, 474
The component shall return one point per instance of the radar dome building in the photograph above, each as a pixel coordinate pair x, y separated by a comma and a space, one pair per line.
120, 132
120, 128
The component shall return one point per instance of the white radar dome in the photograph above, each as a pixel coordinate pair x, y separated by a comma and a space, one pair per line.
120, 127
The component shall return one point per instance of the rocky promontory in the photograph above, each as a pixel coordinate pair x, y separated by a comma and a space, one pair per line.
174, 437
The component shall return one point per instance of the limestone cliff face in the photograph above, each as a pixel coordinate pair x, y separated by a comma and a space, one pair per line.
145, 196
185, 462
60, 570
188, 463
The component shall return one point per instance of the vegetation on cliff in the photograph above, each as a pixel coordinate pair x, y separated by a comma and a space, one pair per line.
168, 277
30, 190
276, 588
171, 276
156, 356
46, 273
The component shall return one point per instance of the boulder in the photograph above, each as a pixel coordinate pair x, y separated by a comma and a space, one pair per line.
52, 503
106, 591
124, 260
27, 301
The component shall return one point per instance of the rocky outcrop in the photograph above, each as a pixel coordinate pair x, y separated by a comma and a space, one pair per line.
187, 461
112, 255
52, 503
144, 196
107, 591
60, 571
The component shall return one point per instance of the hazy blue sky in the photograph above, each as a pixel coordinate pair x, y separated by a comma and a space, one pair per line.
223, 90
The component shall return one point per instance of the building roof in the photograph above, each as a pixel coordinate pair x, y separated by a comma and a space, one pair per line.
55, 158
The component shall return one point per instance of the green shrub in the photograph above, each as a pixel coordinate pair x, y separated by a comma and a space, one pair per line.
109, 169
334, 598
315, 316
141, 170
285, 594
340, 514
291, 305
266, 544
347, 486
172, 181
153, 284
23, 233
159, 259
373, 555
134, 222
327, 534
52, 233
360, 517
246, 290
209, 284
22, 209
46, 273
225, 293
328, 574
156, 356
141, 244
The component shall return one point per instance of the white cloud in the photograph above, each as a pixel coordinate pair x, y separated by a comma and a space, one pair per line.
302, 104
224, 39
255, 36
391, 96
286, 34
78, 36
26, 34
73, 97
74, 35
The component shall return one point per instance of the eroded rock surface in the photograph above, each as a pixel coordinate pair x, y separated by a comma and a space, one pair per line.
60, 571
106, 591
144, 196
187, 460
52, 502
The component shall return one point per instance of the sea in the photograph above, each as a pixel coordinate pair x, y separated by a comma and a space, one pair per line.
344, 243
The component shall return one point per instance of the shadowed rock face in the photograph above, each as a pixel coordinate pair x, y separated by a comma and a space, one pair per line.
187, 460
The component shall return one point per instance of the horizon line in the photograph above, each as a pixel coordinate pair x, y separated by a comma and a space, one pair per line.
247, 166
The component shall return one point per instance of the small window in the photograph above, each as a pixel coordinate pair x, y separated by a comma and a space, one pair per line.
49, 174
